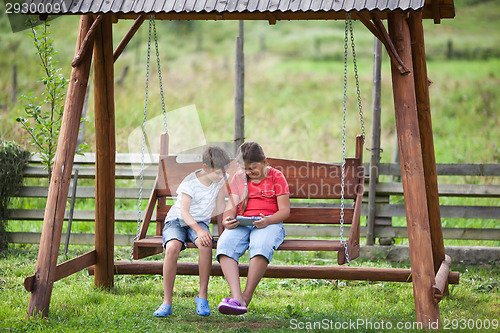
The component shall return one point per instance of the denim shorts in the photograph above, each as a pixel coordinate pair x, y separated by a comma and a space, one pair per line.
234, 242
174, 230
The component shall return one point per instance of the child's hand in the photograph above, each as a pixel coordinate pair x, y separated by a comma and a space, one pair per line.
230, 223
262, 223
205, 238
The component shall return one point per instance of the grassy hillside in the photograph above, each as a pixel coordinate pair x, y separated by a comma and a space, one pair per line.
294, 81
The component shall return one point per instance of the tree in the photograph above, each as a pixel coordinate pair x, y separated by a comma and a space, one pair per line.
44, 113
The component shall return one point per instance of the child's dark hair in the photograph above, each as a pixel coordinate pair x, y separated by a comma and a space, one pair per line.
216, 158
249, 152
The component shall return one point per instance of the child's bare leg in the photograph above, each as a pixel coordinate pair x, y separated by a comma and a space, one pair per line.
256, 270
172, 250
232, 274
204, 267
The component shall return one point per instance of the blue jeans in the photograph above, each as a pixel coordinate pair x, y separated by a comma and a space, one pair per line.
234, 242
174, 230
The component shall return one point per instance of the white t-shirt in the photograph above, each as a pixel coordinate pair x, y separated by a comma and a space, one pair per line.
203, 199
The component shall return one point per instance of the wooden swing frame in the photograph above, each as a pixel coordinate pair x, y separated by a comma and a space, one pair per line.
405, 43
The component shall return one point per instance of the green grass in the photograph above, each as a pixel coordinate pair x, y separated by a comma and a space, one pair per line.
279, 305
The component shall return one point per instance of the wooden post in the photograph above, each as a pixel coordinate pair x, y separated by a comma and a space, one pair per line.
239, 90
59, 184
412, 172
375, 150
71, 208
426, 137
14, 84
105, 153
164, 143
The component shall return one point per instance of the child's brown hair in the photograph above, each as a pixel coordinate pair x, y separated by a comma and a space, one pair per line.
249, 152
216, 158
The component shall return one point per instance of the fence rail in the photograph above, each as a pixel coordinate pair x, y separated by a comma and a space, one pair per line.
385, 210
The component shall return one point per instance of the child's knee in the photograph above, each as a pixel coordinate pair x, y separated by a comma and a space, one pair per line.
204, 249
173, 247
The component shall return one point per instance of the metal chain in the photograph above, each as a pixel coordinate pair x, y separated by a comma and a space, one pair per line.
159, 74
152, 30
357, 81
141, 173
346, 39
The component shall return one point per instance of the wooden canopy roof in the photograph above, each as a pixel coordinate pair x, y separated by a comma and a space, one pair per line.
270, 10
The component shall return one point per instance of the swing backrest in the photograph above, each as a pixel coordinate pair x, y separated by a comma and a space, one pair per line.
306, 180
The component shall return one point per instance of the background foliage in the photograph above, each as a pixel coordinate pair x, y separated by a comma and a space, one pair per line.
13, 159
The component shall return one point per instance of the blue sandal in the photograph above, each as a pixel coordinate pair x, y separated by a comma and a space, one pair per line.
202, 307
164, 310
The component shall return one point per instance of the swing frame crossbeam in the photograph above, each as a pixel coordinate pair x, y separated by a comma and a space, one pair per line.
405, 43
327, 272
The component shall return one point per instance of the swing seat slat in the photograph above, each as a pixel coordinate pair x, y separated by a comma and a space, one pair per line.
288, 244
318, 182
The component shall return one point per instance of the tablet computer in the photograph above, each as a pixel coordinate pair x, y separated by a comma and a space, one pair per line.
246, 220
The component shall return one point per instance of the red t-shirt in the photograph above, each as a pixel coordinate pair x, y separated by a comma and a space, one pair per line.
262, 196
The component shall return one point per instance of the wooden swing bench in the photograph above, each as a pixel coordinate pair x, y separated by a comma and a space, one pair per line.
306, 180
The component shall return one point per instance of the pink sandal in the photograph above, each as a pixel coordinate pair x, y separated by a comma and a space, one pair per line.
230, 306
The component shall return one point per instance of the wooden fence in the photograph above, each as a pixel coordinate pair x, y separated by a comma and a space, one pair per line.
127, 166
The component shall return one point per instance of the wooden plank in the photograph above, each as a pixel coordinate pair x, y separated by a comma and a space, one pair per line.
313, 180
448, 233
319, 215
448, 169
104, 106
76, 239
66, 269
305, 215
121, 158
310, 245
82, 192
79, 215
307, 180
329, 272
287, 245
447, 211
412, 172
446, 190
89, 172
59, 185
